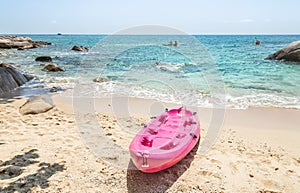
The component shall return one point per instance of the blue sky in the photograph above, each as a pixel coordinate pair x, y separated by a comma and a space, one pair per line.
190, 16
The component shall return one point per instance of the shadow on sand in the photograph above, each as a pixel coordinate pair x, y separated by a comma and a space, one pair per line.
13, 168
138, 181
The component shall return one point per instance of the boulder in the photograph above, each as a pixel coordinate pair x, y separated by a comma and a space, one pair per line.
11, 78
21, 43
36, 105
100, 79
4, 65
80, 48
52, 68
291, 52
43, 59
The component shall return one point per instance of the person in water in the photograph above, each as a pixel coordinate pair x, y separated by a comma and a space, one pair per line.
256, 41
175, 43
170, 43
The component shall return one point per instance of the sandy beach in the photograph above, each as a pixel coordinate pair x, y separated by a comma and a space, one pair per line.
72, 148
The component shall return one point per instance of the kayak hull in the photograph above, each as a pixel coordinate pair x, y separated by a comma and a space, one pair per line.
165, 141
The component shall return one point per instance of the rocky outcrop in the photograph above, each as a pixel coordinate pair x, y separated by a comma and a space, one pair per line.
100, 79
52, 68
21, 43
291, 52
80, 48
36, 105
11, 78
43, 59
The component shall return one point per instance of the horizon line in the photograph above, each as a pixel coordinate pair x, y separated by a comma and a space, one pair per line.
149, 34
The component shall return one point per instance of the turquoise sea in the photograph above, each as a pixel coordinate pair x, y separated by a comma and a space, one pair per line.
203, 70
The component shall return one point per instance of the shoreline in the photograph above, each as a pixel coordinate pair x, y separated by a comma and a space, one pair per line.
256, 121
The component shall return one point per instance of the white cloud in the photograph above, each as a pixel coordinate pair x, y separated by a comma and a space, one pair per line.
53, 21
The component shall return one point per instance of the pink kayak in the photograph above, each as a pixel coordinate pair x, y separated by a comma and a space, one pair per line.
166, 140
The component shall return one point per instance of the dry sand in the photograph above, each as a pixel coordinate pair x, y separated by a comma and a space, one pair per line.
84, 148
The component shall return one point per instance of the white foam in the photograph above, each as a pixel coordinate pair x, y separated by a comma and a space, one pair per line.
207, 100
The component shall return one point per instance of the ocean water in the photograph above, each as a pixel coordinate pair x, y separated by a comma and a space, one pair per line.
204, 70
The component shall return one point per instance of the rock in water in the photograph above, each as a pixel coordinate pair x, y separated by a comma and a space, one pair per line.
43, 59
21, 43
80, 48
55, 89
291, 52
52, 68
36, 105
11, 78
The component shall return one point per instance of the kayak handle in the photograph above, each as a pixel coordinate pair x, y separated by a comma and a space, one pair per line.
145, 159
